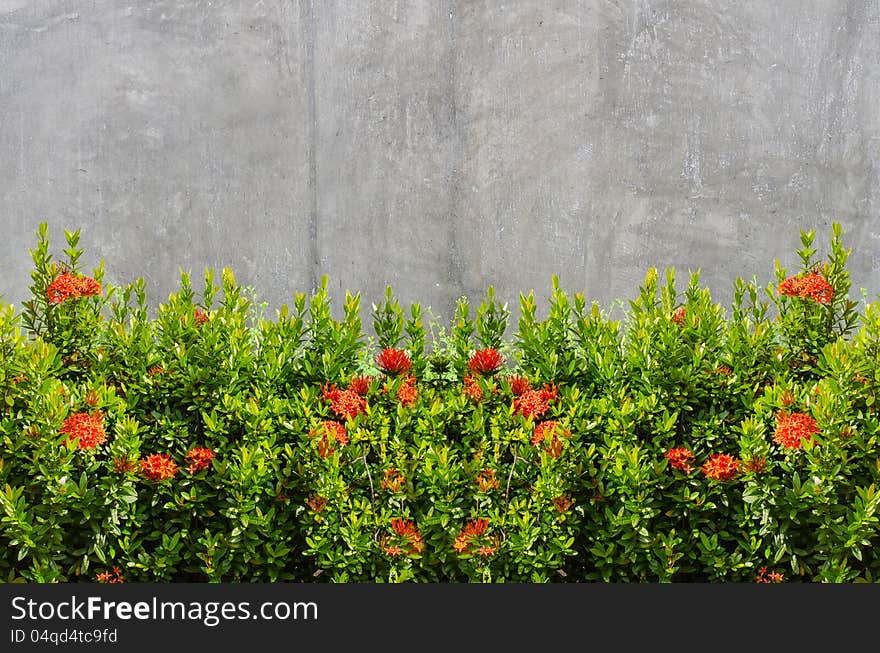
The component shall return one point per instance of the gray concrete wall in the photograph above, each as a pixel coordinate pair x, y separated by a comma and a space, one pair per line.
439, 145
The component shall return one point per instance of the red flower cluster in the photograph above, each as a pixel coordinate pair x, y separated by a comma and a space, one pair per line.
549, 433
406, 529
200, 317
199, 458
124, 465
485, 362
563, 502
70, 286
534, 403
407, 393
316, 502
345, 403
473, 530
87, 429
518, 384
360, 385
486, 480
114, 576
757, 464
393, 481
680, 458
792, 429
679, 316
158, 466
329, 432
810, 286
765, 576
394, 361
721, 466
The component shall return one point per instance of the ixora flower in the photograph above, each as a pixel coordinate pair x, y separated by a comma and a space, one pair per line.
549, 433
486, 480
485, 362
406, 530
360, 385
345, 403
679, 316
793, 429
518, 384
158, 467
407, 392
71, 286
721, 467
200, 317
563, 502
199, 458
329, 432
534, 403
809, 286
393, 481
765, 576
394, 362
472, 530
86, 429
680, 458
114, 576
472, 389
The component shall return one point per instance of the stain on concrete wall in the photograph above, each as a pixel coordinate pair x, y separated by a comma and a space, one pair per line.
439, 145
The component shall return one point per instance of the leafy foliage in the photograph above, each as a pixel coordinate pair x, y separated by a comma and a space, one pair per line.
684, 442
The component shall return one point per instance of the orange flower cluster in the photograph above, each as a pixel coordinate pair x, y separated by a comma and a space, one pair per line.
485, 362
123, 465
757, 464
679, 316
680, 458
393, 481
472, 389
721, 466
70, 286
549, 433
345, 403
792, 429
114, 576
473, 530
518, 384
316, 502
199, 458
87, 429
810, 286
156, 369
329, 432
407, 392
563, 502
765, 576
158, 467
486, 480
360, 385
407, 531
394, 361
534, 403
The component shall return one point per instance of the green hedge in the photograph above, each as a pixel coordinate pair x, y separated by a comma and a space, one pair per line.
201, 441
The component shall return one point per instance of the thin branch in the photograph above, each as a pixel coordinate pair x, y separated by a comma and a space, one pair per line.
370, 477
510, 478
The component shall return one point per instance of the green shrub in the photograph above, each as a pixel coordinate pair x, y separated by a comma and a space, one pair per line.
204, 442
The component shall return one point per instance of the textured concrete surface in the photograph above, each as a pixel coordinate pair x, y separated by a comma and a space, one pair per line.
439, 145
